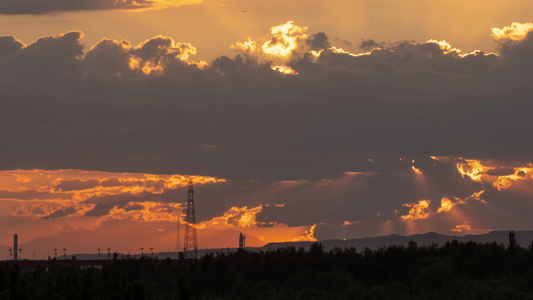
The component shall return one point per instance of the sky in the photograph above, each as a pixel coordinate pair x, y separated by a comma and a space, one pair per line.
296, 121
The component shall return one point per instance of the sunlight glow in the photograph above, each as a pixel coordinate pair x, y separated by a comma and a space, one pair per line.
445, 46
505, 181
515, 32
491, 173
309, 237
418, 210
284, 40
461, 228
134, 6
151, 57
472, 169
445, 205
417, 171
284, 70
341, 51
247, 47
234, 217
349, 223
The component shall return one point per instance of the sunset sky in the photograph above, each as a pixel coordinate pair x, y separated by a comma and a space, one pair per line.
297, 120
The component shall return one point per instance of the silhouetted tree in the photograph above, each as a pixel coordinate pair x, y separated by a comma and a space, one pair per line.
452, 271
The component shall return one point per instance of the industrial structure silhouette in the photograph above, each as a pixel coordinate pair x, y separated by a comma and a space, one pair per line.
190, 247
242, 241
190, 242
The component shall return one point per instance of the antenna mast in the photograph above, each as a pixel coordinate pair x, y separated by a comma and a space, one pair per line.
191, 239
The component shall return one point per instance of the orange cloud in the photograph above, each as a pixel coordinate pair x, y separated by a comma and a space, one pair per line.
42, 193
132, 5
244, 220
146, 212
153, 57
284, 70
418, 210
309, 237
501, 177
60, 203
515, 32
416, 170
284, 40
461, 228
234, 217
348, 223
505, 181
445, 205
341, 51
247, 47
471, 168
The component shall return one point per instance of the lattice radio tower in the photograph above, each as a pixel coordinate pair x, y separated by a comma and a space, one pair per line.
191, 239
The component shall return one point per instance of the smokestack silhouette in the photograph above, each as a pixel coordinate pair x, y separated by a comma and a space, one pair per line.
242, 241
15, 246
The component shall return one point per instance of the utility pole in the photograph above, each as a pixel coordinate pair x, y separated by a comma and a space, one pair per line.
15, 246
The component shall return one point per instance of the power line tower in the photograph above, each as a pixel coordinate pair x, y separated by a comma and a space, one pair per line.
191, 239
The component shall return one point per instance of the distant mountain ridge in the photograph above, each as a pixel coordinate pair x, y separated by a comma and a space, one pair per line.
525, 238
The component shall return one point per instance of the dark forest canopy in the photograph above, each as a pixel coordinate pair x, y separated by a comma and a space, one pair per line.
454, 270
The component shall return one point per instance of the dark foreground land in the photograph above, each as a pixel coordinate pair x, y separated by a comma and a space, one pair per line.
452, 271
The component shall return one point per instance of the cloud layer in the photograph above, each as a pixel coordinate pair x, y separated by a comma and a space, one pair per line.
398, 137
444, 194
38, 7
154, 108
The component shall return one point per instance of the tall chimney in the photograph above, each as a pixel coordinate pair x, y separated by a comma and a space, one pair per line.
15, 246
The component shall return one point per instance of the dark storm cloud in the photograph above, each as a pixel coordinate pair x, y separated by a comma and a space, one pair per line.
104, 204
369, 45
32, 195
61, 213
212, 200
79, 184
518, 54
318, 41
37, 7
151, 108
366, 197
501, 172
48, 64
9, 44
403, 58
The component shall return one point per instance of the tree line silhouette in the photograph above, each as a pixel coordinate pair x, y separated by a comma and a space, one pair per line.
454, 270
